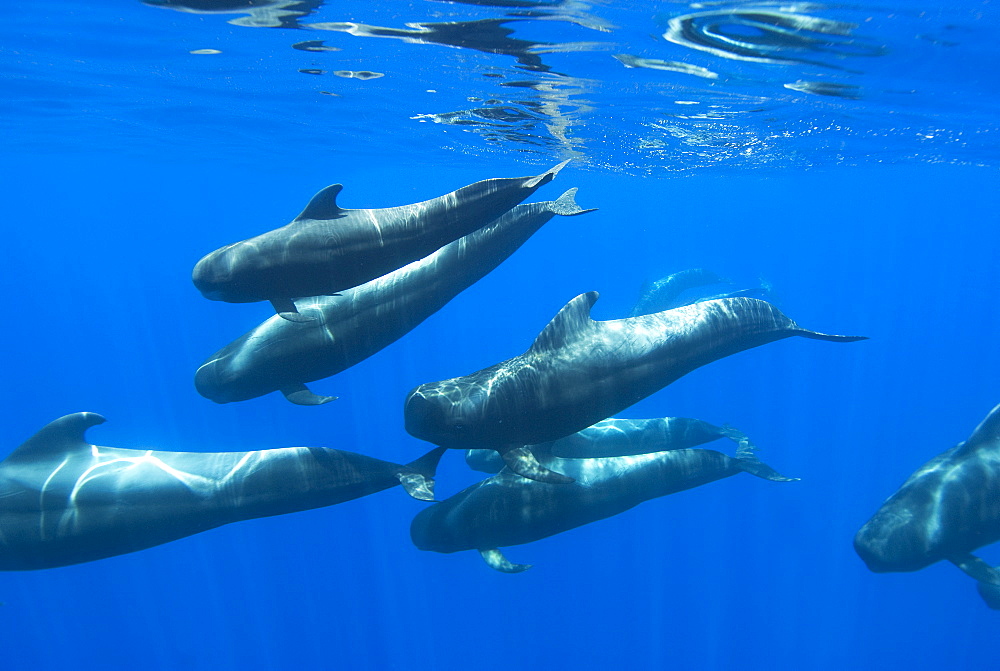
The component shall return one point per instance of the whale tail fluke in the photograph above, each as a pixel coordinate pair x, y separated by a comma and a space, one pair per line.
816, 335
565, 205
417, 477
546, 176
746, 457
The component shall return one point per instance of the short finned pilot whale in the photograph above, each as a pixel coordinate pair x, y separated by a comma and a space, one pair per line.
580, 371
945, 510
340, 331
616, 437
327, 249
508, 509
64, 501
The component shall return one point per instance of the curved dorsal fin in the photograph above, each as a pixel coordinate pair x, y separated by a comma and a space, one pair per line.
573, 317
58, 437
323, 205
987, 431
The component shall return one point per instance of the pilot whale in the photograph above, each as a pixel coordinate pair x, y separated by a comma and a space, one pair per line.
344, 330
580, 371
327, 249
508, 509
64, 501
945, 510
615, 438
677, 289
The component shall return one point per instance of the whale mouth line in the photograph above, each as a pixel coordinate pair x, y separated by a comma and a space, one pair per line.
212, 294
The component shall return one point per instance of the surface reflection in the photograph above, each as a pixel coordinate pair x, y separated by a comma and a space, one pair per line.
259, 13
740, 84
491, 36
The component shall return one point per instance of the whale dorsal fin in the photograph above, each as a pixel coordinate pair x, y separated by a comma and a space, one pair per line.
988, 430
573, 317
57, 438
323, 205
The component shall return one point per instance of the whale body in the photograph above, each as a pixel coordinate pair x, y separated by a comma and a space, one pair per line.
340, 331
64, 501
946, 509
580, 371
327, 249
615, 437
508, 509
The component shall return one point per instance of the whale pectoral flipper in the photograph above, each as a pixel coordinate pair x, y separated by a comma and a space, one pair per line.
523, 462
990, 594
977, 569
417, 477
495, 559
299, 394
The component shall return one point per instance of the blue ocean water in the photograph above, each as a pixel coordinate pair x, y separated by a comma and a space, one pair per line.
865, 196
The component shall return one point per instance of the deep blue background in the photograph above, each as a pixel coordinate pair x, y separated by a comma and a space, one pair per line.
100, 234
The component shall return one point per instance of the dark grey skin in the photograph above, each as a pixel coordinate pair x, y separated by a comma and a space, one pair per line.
615, 438
580, 371
327, 249
280, 355
945, 510
508, 509
64, 501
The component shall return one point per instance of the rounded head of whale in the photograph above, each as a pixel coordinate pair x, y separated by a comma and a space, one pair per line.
219, 380
890, 542
442, 414
211, 274
233, 273
427, 532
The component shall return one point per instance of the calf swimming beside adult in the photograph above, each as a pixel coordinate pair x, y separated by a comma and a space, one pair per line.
343, 330
327, 249
580, 371
945, 510
508, 509
64, 501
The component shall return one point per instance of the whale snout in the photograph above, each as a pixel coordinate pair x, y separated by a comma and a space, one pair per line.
430, 531
216, 381
209, 278
889, 543
441, 413
424, 418
219, 276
